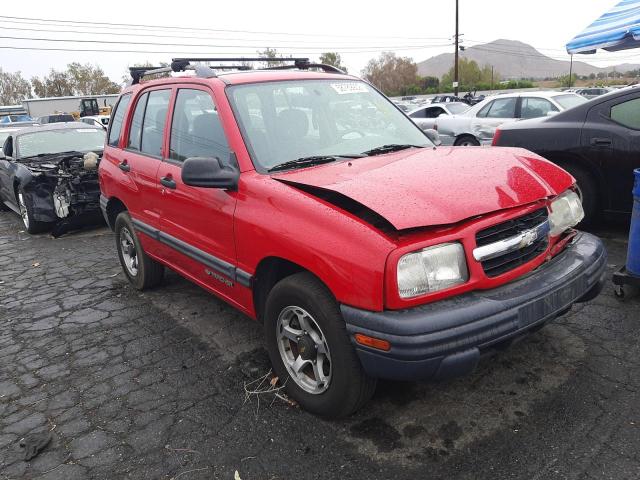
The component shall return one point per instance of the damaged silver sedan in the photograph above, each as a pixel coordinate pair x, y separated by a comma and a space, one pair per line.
49, 176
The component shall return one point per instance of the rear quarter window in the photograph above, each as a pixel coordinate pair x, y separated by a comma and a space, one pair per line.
117, 120
627, 113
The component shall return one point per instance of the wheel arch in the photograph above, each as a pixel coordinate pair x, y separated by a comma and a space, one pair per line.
269, 272
114, 207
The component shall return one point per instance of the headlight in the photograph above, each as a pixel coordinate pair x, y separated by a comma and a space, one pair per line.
566, 212
431, 269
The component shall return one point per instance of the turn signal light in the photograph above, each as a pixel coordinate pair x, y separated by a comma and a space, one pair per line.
376, 343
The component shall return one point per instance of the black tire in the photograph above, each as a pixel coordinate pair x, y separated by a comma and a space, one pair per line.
466, 140
26, 213
588, 191
349, 387
146, 273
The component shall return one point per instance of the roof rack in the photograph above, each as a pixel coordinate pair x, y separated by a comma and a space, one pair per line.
208, 71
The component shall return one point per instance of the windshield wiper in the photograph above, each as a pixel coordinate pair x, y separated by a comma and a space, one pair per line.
392, 147
312, 160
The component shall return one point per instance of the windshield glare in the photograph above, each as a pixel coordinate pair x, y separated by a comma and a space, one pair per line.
63, 140
569, 100
284, 121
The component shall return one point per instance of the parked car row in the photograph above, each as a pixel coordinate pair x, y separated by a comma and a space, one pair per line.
477, 125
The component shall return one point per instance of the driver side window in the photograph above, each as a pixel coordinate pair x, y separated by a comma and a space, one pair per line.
196, 130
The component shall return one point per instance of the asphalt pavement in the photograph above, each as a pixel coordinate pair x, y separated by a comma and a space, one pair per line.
154, 385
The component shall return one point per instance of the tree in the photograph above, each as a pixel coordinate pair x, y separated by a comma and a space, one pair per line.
77, 79
90, 80
429, 82
332, 58
56, 84
470, 75
13, 88
565, 81
270, 53
390, 73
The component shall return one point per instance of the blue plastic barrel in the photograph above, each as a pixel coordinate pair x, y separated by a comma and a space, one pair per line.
633, 254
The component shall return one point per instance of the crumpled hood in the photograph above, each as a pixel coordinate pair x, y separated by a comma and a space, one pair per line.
426, 187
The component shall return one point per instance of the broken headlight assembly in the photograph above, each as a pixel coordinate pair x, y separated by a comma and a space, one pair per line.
565, 212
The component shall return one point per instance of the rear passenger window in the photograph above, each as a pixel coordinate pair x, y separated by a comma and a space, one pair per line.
135, 132
117, 119
155, 118
627, 113
502, 108
196, 130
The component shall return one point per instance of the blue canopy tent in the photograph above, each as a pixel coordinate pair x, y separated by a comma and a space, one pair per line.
617, 29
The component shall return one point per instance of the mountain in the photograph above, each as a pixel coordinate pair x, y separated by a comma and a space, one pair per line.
513, 59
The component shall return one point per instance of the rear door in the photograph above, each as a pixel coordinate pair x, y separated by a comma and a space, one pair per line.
492, 115
143, 154
197, 222
535, 107
612, 135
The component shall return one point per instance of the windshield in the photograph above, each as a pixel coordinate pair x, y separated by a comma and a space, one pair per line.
63, 140
456, 108
283, 121
569, 100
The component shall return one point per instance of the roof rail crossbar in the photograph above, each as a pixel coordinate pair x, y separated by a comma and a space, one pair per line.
208, 71
306, 66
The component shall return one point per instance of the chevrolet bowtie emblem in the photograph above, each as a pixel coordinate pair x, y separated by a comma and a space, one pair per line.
528, 238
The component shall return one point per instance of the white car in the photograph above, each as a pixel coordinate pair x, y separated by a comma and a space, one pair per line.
425, 116
477, 125
97, 120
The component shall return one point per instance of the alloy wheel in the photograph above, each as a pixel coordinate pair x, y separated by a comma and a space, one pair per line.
304, 350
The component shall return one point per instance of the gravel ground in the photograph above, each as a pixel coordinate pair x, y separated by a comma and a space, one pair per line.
152, 386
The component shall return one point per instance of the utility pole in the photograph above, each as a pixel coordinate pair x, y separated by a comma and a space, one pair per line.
571, 72
455, 68
491, 77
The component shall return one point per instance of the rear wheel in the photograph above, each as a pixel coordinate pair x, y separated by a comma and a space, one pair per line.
26, 213
587, 190
467, 141
310, 348
142, 271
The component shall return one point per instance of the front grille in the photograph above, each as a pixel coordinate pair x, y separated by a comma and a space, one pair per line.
509, 261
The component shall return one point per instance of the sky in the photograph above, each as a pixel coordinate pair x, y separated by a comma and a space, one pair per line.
358, 30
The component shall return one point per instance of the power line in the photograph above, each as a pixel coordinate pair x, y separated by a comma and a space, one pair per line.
171, 52
164, 35
201, 29
196, 45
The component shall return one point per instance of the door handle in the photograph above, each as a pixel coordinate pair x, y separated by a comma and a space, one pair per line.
600, 142
124, 166
168, 182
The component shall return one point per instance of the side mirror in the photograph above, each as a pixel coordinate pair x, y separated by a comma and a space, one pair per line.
7, 148
209, 173
433, 136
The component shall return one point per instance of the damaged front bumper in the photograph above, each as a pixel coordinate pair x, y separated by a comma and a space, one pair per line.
446, 338
64, 191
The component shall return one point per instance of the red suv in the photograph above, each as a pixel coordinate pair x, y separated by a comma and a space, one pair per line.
303, 197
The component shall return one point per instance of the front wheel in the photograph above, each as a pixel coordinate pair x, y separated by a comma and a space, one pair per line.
26, 213
310, 348
142, 271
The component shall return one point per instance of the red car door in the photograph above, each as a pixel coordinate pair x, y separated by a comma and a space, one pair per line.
142, 156
197, 223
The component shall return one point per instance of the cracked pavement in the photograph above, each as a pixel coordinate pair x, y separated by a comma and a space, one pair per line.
151, 386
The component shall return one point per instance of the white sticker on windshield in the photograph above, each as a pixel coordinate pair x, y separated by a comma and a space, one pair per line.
349, 87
